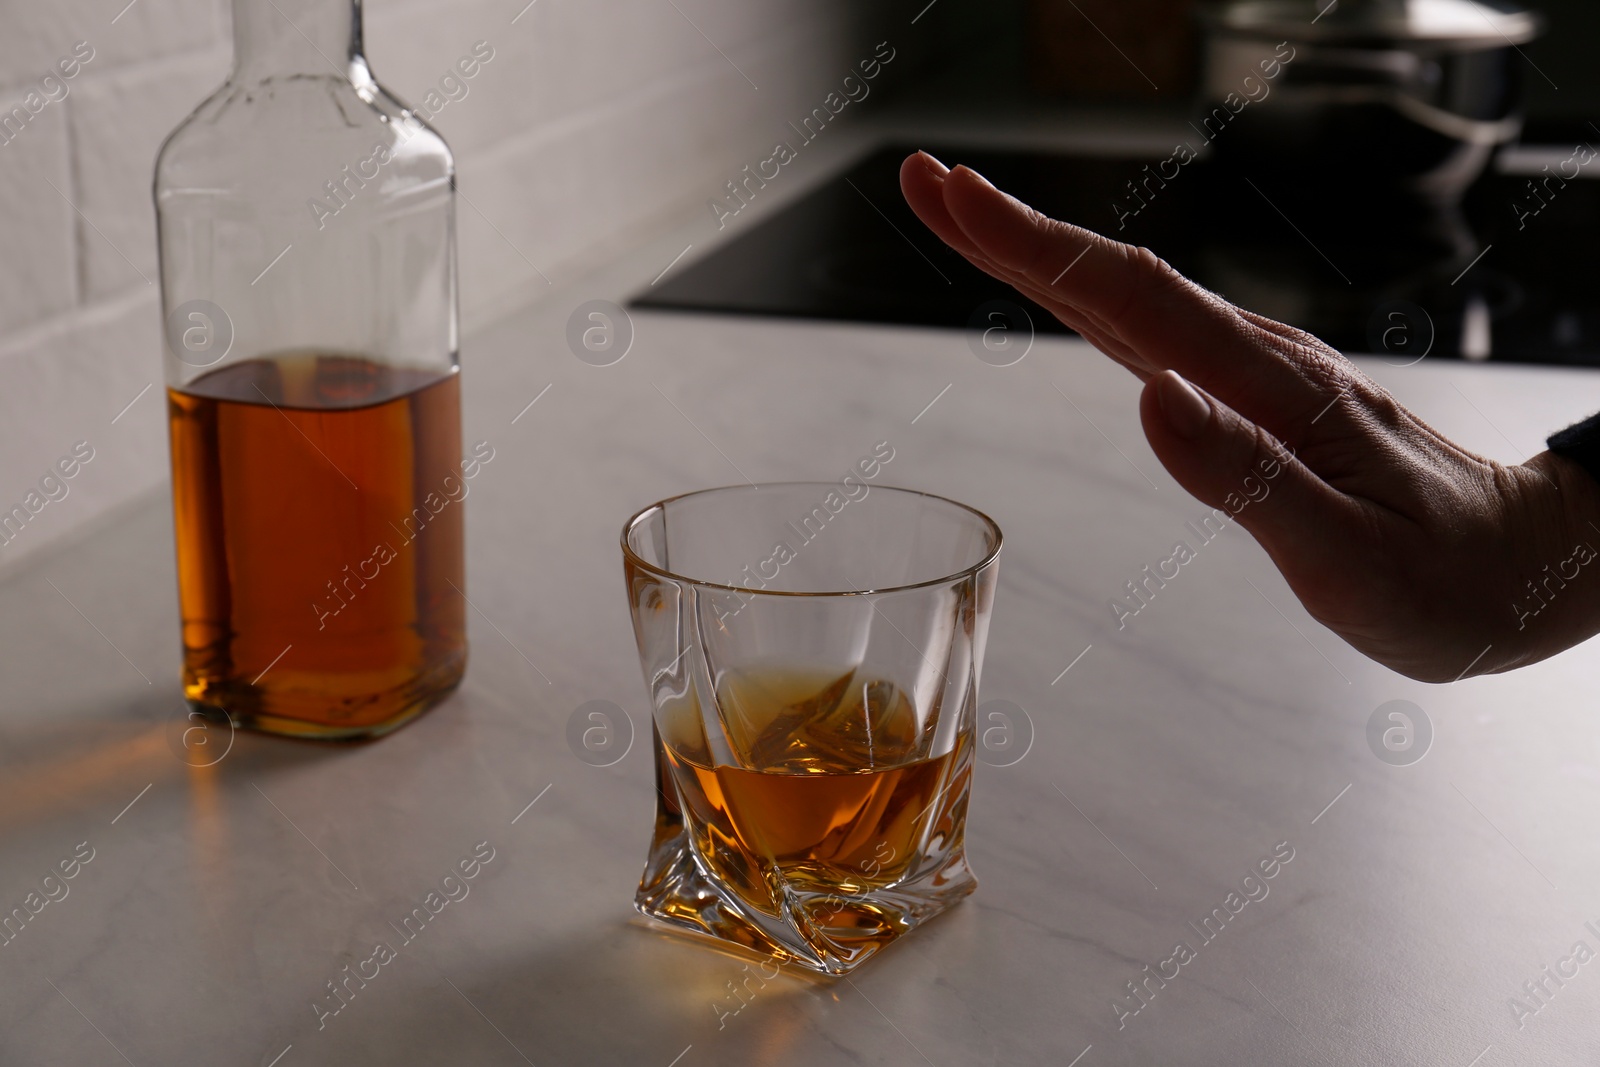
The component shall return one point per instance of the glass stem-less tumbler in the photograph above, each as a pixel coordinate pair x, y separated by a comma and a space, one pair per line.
308, 280
812, 652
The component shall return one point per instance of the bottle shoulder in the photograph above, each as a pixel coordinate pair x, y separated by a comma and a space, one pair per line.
291, 124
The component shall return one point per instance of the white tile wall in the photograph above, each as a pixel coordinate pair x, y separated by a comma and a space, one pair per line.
38, 276
119, 119
595, 122
65, 380
36, 34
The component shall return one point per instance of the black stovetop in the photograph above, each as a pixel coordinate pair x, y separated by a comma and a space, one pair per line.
1366, 270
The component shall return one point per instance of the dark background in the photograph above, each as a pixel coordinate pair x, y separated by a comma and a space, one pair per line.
1032, 53
1320, 241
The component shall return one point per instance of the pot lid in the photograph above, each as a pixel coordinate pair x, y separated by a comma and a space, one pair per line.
1488, 23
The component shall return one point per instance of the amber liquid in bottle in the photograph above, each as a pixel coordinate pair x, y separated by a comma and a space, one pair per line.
838, 798
319, 503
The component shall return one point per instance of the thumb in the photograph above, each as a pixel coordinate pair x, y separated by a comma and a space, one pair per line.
1229, 462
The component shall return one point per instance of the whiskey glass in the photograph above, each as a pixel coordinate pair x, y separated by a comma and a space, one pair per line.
812, 652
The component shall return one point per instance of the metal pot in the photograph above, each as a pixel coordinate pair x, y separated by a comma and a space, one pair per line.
1409, 95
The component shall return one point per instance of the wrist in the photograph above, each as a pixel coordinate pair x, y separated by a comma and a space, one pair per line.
1554, 559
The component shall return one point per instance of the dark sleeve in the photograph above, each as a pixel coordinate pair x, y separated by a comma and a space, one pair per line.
1580, 443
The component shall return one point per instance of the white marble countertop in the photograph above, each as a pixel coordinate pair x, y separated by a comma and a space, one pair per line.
1170, 759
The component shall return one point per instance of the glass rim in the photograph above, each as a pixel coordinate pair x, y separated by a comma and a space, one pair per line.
630, 556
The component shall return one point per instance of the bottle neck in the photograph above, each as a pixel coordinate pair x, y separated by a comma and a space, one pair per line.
284, 37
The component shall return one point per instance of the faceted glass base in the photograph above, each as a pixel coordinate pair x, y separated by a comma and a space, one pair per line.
829, 921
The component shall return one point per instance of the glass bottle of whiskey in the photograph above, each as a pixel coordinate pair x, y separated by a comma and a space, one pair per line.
308, 277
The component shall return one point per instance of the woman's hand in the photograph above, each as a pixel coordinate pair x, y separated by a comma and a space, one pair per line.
1414, 550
